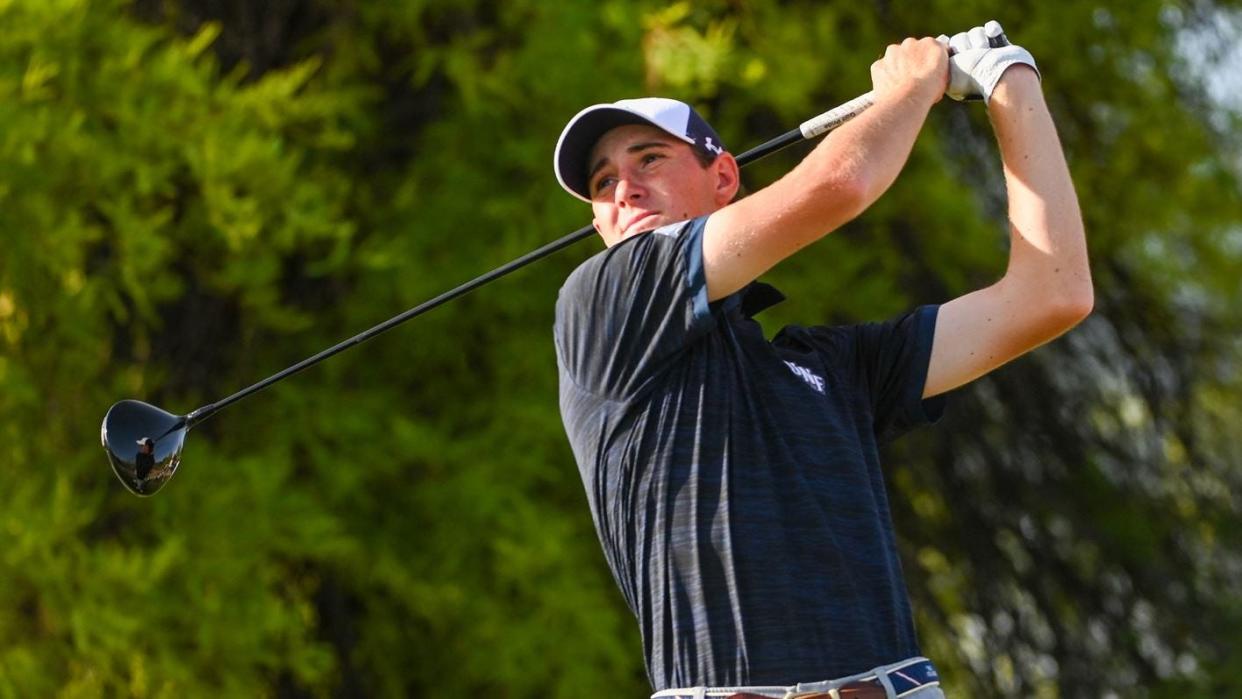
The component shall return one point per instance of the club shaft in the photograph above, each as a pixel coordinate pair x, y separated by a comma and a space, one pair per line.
809, 129
206, 411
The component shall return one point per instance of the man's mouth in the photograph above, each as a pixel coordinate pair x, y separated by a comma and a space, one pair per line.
636, 223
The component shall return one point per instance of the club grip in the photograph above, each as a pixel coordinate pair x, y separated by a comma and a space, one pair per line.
836, 116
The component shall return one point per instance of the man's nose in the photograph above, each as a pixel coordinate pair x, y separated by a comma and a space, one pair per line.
629, 190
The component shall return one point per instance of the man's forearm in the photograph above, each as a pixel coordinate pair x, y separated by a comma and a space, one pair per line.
1049, 252
838, 180
866, 154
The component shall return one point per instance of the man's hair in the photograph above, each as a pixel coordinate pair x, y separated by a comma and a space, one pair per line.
705, 159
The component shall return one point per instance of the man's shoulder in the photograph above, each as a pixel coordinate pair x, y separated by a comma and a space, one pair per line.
624, 254
584, 276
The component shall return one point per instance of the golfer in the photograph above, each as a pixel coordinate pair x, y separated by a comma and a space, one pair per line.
144, 460
734, 481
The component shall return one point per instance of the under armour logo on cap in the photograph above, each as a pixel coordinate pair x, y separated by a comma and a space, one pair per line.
580, 134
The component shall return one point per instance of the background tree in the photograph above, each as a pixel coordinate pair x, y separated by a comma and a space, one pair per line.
195, 194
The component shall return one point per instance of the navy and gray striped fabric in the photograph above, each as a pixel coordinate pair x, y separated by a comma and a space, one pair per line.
734, 482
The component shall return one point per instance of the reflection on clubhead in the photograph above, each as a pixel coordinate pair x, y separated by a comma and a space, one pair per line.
143, 444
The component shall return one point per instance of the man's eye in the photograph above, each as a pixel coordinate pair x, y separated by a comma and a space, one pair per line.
651, 158
603, 183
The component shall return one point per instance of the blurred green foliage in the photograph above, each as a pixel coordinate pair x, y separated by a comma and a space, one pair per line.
196, 194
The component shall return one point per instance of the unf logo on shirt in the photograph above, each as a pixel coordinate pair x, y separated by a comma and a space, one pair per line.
812, 379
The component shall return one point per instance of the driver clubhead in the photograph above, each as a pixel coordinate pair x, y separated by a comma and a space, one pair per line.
143, 469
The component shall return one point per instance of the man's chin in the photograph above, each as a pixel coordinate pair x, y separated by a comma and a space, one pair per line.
644, 226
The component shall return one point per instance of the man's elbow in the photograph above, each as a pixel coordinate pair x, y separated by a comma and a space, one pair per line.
866, 187
1072, 306
838, 190
847, 196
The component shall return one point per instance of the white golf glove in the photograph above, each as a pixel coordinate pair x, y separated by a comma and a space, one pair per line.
978, 58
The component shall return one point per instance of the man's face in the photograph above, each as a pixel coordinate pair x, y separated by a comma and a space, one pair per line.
641, 178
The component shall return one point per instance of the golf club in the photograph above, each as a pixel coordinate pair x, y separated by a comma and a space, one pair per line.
144, 443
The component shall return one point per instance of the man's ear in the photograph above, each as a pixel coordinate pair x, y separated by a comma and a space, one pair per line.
728, 178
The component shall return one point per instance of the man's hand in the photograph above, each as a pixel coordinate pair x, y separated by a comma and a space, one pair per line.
979, 58
920, 65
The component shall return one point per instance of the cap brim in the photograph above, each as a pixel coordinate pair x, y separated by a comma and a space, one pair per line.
579, 137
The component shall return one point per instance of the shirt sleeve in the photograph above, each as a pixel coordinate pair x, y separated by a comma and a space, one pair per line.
624, 314
887, 364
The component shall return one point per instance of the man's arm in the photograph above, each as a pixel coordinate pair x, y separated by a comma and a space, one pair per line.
1046, 289
840, 178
